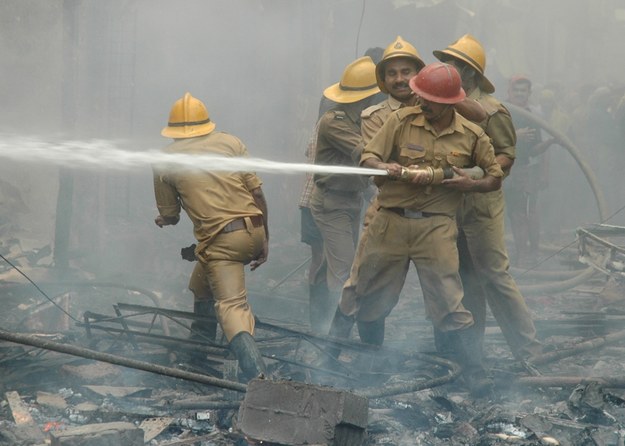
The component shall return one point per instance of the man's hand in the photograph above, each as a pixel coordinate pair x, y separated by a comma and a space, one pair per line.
392, 169
262, 258
460, 181
527, 135
165, 221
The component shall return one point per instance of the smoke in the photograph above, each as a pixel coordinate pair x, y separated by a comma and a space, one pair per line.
99, 72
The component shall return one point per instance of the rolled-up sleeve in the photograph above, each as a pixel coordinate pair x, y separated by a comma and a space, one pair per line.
484, 156
167, 198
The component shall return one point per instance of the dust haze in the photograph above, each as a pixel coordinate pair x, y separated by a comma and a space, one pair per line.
85, 70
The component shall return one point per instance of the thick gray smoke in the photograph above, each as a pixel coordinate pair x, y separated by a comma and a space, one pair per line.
111, 70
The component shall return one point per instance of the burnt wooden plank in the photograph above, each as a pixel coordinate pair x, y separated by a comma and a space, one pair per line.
27, 426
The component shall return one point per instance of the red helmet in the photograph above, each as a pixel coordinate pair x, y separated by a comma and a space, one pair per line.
438, 82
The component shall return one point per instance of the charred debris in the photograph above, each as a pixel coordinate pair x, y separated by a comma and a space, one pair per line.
78, 356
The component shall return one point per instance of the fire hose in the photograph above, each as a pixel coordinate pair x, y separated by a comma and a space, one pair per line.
575, 152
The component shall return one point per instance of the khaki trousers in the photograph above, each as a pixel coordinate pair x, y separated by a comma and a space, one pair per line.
485, 276
338, 219
221, 278
391, 244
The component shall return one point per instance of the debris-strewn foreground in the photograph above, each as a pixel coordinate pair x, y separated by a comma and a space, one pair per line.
572, 395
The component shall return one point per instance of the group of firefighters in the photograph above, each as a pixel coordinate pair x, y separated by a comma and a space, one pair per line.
438, 123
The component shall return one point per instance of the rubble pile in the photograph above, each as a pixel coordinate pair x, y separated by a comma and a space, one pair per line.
573, 395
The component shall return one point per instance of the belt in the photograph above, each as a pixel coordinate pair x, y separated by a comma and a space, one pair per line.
408, 213
239, 223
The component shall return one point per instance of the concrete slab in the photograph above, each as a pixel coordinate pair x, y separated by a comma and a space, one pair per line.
103, 434
294, 413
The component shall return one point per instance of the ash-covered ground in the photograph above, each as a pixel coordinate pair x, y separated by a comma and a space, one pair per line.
573, 396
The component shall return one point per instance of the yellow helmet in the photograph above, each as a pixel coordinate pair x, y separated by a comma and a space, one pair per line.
399, 48
188, 118
469, 50
357, 83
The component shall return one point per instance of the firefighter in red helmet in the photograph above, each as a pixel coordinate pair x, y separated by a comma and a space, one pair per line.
416, 220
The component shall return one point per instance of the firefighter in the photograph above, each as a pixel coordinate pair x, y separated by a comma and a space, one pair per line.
484, 260
400, 62
337, 199
416, 219
229, 216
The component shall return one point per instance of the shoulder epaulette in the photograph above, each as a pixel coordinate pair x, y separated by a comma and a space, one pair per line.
408, 111
339, 115
491, 105
367, 112
473, 127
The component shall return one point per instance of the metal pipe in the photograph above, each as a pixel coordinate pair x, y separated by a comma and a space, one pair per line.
34, 341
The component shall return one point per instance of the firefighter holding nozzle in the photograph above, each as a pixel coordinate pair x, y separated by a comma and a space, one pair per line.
416, 220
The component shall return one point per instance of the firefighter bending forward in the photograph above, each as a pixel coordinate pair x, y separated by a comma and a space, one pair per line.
229, 215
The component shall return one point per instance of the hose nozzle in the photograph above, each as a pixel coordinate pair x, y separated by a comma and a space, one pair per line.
437, 175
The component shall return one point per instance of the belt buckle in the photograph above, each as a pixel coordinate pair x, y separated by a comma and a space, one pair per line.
413, 214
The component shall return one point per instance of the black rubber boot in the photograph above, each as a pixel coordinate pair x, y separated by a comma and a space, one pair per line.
250, 360
341, 327
319, 305
371, 332
444, 344
469, 354
205, 329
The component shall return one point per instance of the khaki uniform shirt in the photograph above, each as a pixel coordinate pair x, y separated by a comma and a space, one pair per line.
339, 143
408, 139
498, 125
372, 118
211, 199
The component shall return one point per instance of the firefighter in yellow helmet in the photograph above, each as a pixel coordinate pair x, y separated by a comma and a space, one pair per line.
229, 216
483, 256
336, 200
400, 62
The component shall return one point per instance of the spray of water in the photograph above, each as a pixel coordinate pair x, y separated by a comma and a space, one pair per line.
108, 155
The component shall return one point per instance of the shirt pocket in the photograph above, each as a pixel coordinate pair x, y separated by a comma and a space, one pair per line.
459, 160
411, 154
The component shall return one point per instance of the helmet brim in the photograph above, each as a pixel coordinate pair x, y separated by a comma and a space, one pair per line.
430, 97
485, 85
188, 131
453, 100
338, 94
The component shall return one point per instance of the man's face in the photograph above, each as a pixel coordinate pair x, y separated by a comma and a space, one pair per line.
397, 73
519, 93
433, 111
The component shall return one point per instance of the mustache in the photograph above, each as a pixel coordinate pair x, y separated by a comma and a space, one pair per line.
400, 85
